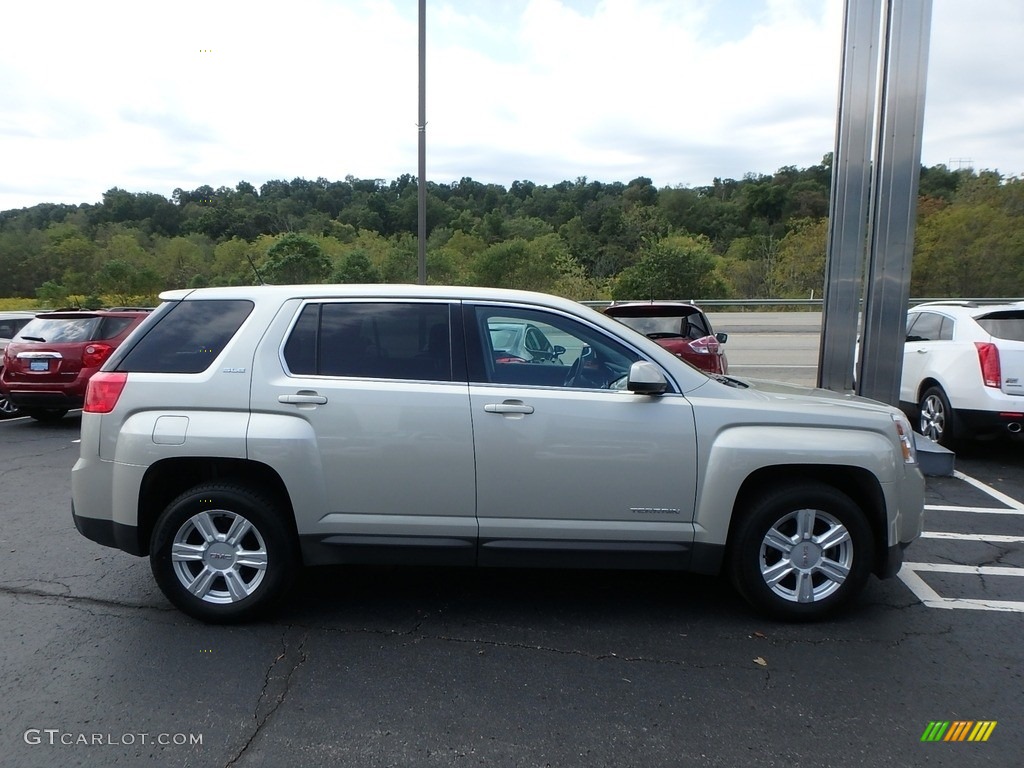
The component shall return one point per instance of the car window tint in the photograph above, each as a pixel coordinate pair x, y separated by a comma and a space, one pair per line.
560, 348
946, 331
58, 330
382, 340
110, 327
1004, 325
927, 327
300, 349
187, 338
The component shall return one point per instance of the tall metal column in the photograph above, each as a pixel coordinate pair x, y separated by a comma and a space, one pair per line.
850, 197
894, 200
876, 168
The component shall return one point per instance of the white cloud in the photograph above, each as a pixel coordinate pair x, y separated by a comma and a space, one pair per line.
152, 96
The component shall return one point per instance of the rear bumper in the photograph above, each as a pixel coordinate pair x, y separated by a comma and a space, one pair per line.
108, 533
984, 423
24, 398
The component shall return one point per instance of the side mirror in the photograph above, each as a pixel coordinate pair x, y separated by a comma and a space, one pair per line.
557, 350
722, 337
646, 379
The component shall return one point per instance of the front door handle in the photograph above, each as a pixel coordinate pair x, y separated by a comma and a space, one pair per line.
303, 397
509, 406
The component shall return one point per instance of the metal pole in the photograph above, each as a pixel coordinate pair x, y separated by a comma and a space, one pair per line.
422, 127
897, 167
850, 198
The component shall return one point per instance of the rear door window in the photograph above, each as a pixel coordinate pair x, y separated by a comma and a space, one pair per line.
374, 340
187, 338
930, 326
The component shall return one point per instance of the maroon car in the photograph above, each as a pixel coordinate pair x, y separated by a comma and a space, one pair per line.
47, 365
680, 327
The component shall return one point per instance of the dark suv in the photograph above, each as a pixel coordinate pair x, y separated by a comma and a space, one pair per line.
47, 365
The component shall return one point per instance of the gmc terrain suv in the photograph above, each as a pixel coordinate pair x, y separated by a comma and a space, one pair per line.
241, 432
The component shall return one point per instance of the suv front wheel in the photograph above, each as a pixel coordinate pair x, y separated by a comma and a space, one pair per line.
222, 553
801, 551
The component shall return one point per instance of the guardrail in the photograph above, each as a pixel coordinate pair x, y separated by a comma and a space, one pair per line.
811, 303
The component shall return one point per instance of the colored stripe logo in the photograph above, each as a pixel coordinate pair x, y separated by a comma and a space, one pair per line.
958, 730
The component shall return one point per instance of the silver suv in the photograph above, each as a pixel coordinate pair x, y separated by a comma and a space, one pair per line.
241, 432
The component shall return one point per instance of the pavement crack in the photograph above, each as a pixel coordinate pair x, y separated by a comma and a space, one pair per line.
276, 684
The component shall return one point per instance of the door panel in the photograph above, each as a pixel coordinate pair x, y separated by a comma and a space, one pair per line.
567, 463
393, 435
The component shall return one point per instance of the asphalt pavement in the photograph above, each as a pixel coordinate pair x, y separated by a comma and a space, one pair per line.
443, 667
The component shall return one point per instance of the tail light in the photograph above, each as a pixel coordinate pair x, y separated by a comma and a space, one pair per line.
988, 357
94, 354
103, 391
707, 345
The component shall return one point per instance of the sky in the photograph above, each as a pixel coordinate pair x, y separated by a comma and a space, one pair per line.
153, 95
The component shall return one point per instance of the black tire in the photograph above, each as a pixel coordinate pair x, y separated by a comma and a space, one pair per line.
935, 417
8, 410
47, 415
828, 576
240, 579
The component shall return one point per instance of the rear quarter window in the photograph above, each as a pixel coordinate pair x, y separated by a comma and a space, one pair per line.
187, 338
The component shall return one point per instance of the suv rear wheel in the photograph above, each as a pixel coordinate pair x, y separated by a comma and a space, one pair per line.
222, 553
802, 551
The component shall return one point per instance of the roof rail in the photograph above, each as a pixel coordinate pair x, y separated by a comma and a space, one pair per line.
948, 303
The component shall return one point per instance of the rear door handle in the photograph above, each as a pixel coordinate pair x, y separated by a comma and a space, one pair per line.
509, 406
303, 397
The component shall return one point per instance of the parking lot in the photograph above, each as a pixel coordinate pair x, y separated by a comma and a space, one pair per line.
378, 667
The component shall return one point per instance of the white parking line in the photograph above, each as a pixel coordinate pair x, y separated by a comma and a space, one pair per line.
910, 572
932, 599
976, 510
991, 537
1009, 501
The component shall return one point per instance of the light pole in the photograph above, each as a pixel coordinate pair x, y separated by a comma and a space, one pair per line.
421, 186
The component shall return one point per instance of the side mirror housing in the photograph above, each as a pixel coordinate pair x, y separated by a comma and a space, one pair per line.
646, 379
722, 337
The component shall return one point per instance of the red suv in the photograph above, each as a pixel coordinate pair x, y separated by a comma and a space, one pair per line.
47, 365
680, 327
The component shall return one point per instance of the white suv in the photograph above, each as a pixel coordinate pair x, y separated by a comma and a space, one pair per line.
241, 432
963, 369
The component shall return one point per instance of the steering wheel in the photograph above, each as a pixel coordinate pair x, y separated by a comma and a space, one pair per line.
578, 371
574, 370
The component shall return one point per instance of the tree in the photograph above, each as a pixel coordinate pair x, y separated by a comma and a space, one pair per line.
800, 267
296, 258
523, 264
356, 268
680, 267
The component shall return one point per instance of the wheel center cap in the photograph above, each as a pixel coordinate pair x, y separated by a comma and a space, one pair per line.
219, 556
805, 555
